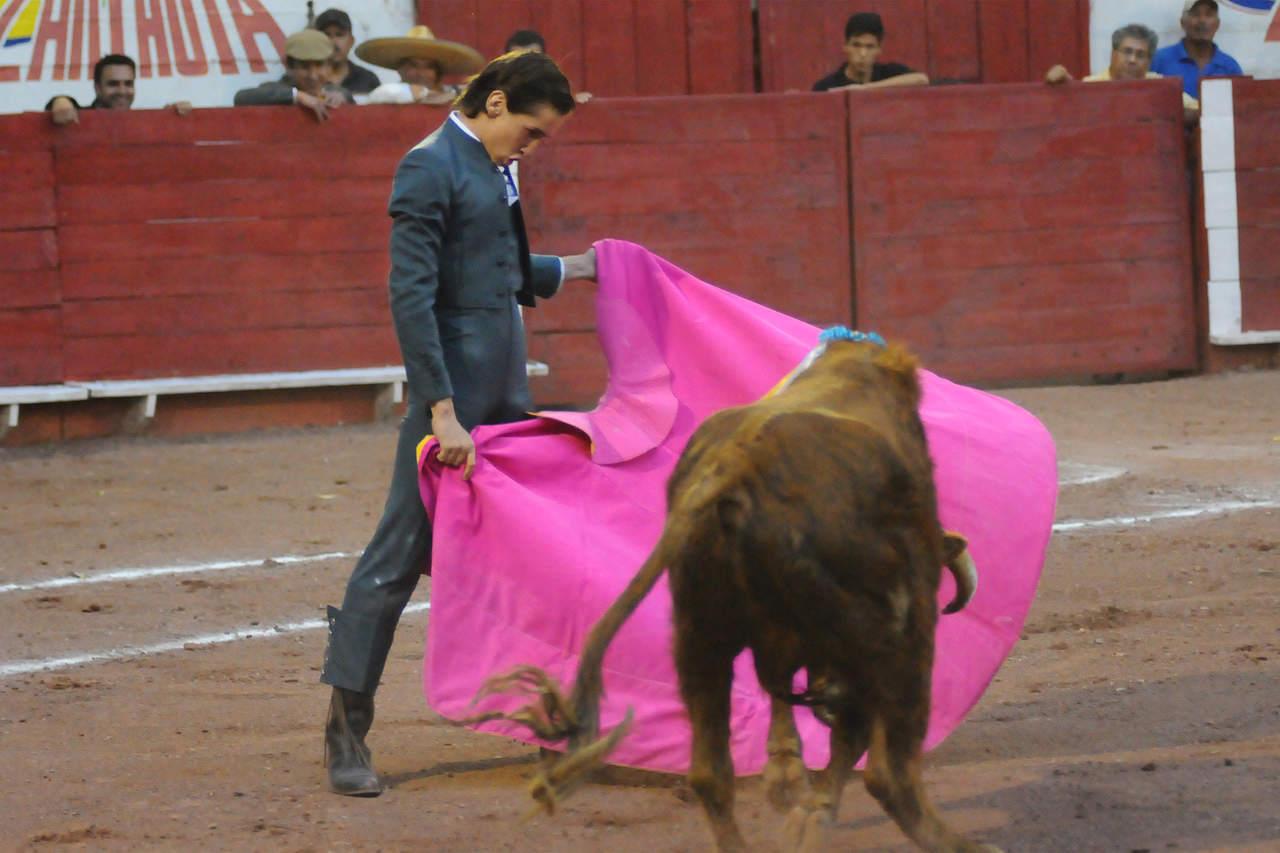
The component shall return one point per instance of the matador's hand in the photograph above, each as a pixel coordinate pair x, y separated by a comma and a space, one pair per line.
580, 266
457, 449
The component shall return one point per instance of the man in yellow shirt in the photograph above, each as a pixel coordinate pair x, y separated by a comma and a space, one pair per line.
1132, 47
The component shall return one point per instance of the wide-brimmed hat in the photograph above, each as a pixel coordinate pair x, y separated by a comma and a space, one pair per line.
454, 58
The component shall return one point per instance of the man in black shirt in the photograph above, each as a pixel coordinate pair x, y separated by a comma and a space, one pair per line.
336, 24
863, 41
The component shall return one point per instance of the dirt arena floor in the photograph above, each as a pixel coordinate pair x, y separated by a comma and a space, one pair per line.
173, 705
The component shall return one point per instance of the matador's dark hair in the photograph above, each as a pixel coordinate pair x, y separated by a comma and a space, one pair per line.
527, 78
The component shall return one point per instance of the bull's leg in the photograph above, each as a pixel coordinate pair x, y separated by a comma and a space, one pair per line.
809, 824
706, 676
893, 778
786, 779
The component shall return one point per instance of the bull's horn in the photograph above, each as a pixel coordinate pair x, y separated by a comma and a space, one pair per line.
966, 575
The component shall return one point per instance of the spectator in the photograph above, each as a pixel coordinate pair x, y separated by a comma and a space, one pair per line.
113, 87
525, 40
533, 40
1196, 55
336, 24
863, 41
460, 265
306, 53
423, 61
1132, 47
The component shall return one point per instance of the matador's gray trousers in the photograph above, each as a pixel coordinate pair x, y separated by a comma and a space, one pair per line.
489, 390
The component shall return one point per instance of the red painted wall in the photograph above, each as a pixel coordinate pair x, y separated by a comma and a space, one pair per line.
1018, 232
971, 41
1006, 232
1257, 129
30, 295
226, 241
618, 48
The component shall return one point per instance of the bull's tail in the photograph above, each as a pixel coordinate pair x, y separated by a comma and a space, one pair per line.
589, 685
552, 717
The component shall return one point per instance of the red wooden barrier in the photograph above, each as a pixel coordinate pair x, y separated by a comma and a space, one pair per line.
972, 41
1019, 232
1257, 127
619, 48
227, 241
1007, 232
30, 337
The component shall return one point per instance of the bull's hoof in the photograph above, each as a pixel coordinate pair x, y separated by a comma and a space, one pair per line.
806, 830
786, 781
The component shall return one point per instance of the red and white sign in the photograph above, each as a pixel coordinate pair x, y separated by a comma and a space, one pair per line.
200, 51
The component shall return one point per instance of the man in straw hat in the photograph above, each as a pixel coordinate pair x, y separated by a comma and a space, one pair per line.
460, 269
306, 53
423, 61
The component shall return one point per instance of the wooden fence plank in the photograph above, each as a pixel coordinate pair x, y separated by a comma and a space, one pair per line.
1053, 37
661, 48
364, 200
457, 20
721, 50
799, 42
213, 311
30, 346
172, 163
1260, 298
560, 23
84, 243
1259, 258
29, 288
228, 274
240, 351
1118, 204
952, 29
26, 195
609, 48
1002, 36
28, 250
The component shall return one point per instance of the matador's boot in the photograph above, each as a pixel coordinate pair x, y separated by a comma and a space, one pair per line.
346, 756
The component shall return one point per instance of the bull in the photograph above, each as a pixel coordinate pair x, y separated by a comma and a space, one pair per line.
804, 527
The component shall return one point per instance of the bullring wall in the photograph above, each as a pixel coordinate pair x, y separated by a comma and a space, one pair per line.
1007, 232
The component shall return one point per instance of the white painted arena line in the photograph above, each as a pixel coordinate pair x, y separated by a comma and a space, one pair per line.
1220, 508
160, 571
1078, 473
8, 669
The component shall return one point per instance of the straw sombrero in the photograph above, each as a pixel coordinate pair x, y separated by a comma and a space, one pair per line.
454, 58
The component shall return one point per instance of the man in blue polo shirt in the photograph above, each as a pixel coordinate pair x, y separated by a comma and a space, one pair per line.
1196, 55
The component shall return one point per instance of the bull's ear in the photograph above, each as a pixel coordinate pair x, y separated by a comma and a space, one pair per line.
953, 545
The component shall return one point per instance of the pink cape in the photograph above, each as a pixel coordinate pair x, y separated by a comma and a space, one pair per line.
562, 510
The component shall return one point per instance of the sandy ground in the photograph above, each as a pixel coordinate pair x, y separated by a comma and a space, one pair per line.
1140, 712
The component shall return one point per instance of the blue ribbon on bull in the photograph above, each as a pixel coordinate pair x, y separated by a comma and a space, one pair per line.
844, 333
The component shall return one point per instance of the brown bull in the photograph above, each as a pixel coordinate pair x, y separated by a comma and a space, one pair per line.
805, 527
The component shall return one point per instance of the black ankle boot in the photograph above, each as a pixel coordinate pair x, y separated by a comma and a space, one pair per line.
346, 756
